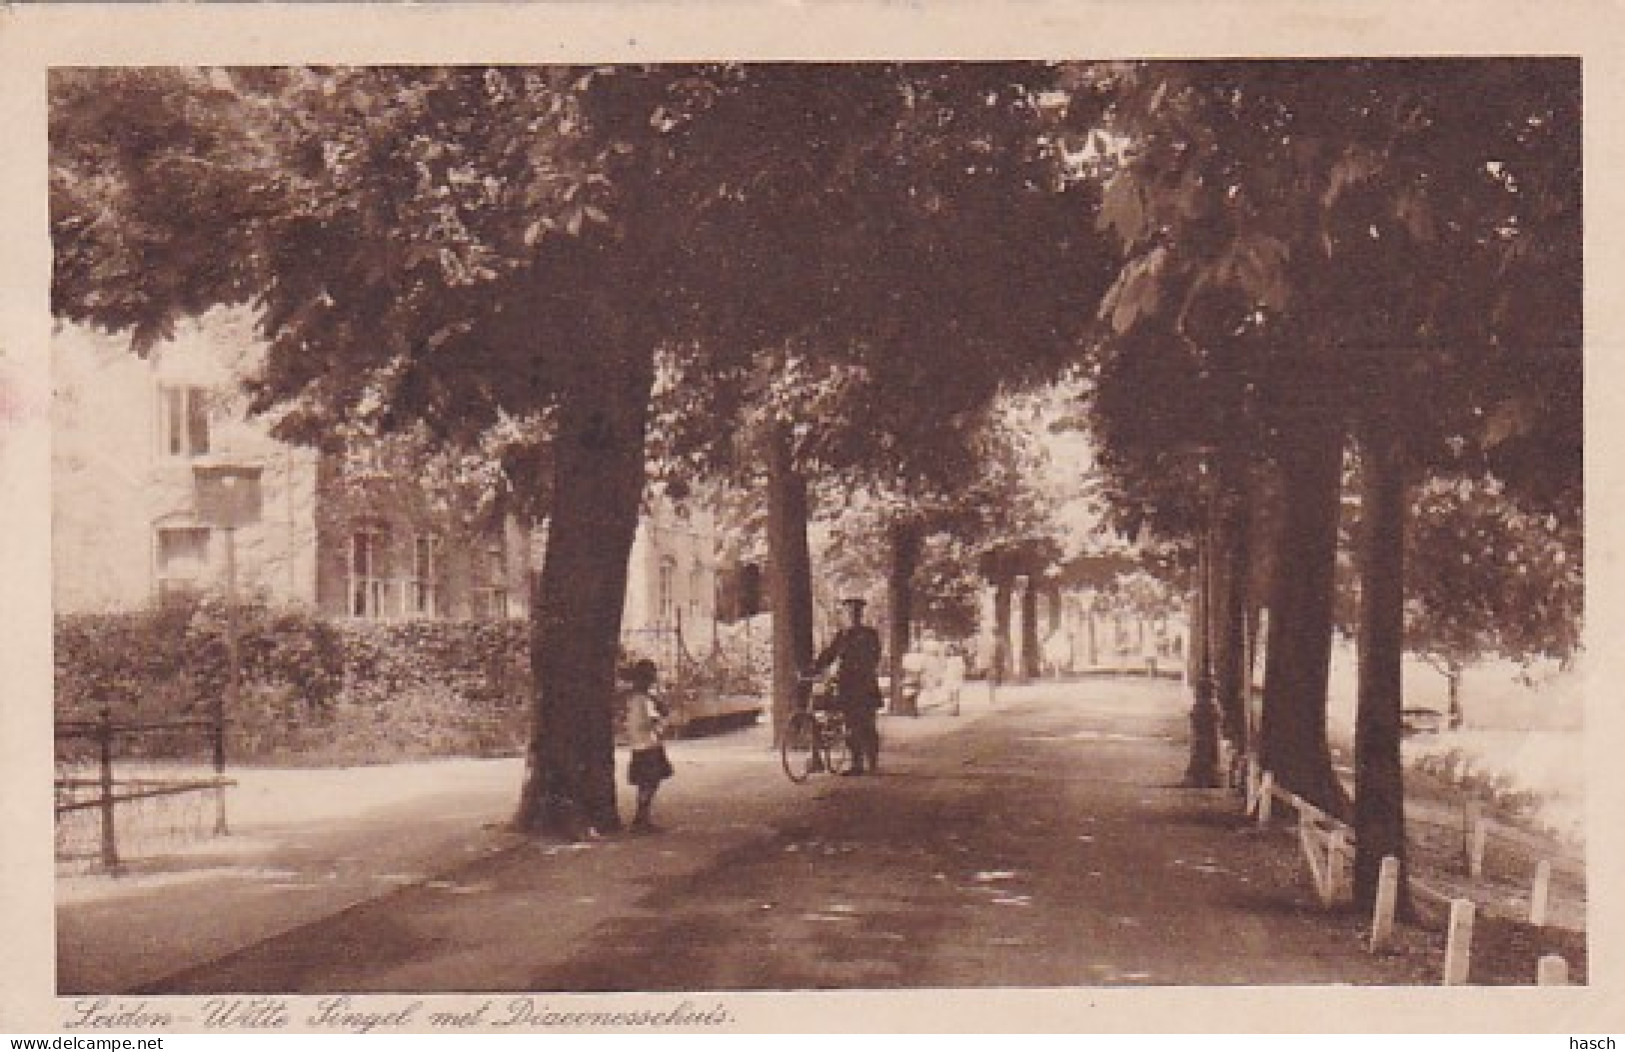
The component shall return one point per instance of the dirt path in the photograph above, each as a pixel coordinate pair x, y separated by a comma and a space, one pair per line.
1040, 843
187, 907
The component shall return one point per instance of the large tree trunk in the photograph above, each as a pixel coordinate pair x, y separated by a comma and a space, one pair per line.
1000, 666
1029, 631
789, 569
1202, 766
1379, 797
598, 476
1093, 651
904, 541
1264, 531
1252, 663
1230, 570
1298, 657
1198, 628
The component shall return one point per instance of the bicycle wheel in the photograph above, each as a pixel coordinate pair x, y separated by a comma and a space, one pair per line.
799, 747
837, 749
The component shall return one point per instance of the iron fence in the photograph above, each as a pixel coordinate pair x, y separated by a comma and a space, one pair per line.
119, 783
719, 686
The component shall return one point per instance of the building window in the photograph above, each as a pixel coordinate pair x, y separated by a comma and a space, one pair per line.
368, 579
425, 591
667, 595
491, 595
182, 560
183, 420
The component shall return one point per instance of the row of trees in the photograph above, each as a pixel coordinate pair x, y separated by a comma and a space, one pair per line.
819, 283
797, 272
1348, 282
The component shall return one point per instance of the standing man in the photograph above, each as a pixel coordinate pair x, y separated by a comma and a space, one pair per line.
856, 649
953, 677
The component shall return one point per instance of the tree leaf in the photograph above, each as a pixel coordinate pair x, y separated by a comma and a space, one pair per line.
1136, 292
1356, 166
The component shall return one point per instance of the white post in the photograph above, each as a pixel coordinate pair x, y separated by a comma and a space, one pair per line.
1540, 895
1382, 915
1458, 949
1552, 971
1475, 858
1266, 796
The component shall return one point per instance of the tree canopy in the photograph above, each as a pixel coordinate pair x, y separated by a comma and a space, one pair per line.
468, 250
1397, 237
566, 268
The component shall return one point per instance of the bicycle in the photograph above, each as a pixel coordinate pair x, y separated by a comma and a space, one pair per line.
815, 737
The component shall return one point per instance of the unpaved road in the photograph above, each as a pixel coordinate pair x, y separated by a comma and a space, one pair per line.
1038, 841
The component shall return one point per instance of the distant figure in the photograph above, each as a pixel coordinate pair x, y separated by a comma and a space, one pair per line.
931, 673
916, 678
855, 651
953, 677
1058, 653
649, 766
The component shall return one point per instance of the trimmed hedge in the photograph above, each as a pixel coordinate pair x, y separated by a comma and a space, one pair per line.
312, 690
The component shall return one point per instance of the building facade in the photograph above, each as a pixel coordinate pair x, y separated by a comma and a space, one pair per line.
671, 592
127, 433
347, 534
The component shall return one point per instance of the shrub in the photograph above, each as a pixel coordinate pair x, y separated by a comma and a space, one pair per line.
133, 664
1469, 774
287, 649
312, 690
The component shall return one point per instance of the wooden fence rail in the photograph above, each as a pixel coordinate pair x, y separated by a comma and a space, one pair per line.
1326, 842
110, 791
1328, 846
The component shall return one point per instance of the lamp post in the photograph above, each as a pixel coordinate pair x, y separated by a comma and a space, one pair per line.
228, 496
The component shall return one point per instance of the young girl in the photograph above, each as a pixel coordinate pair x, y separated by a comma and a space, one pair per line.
649, 766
